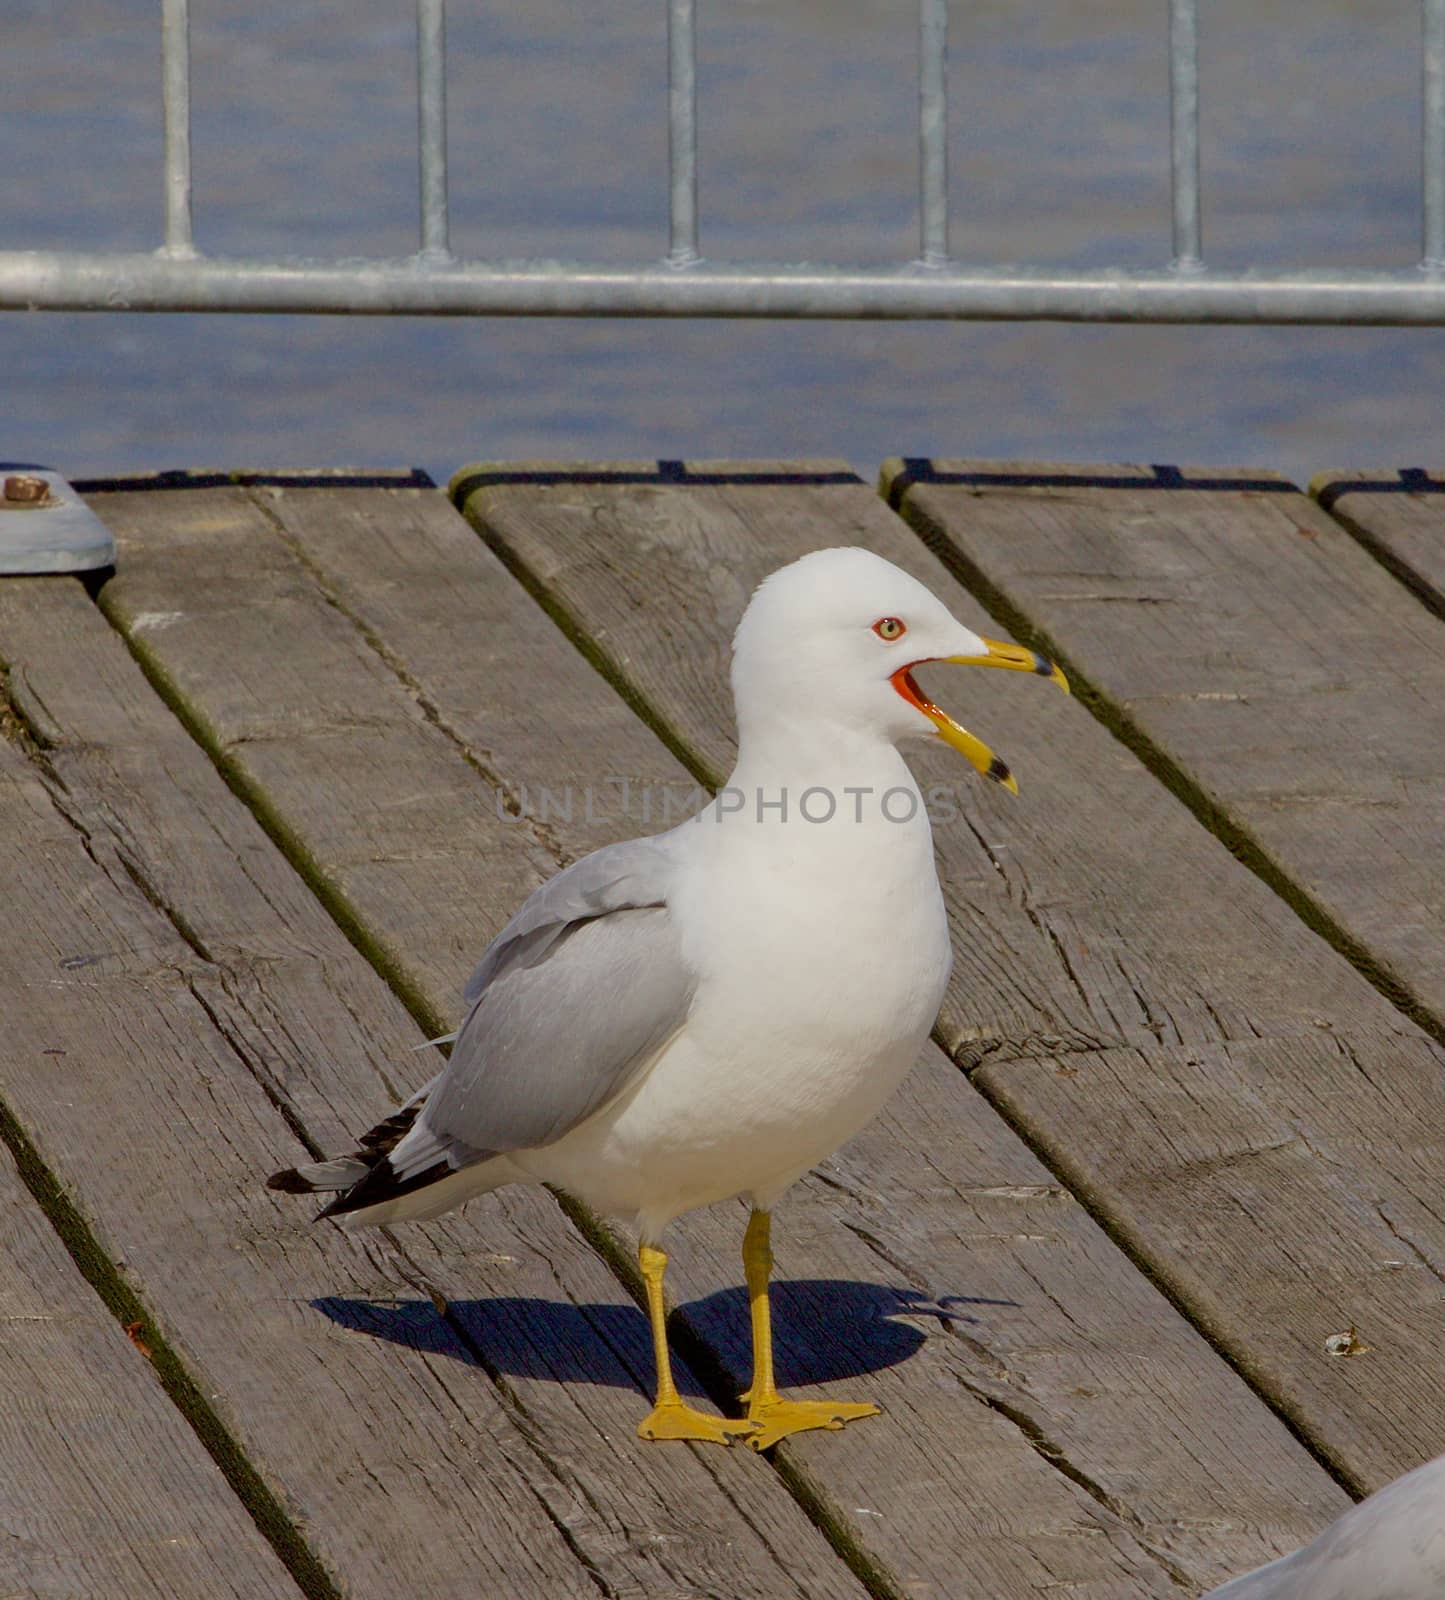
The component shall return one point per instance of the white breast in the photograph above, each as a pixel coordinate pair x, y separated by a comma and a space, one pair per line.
835, 932
822, 953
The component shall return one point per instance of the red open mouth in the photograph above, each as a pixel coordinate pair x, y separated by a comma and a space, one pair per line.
977, 752
907, 685
995, 654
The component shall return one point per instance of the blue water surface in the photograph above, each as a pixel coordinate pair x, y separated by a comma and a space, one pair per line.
304, 144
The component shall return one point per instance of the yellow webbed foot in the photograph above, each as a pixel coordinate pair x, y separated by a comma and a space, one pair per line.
777, 1418
673, 1420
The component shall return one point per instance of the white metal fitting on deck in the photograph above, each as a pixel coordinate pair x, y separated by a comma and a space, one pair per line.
46, 527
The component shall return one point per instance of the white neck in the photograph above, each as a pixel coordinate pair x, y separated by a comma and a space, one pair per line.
812, 750
813, 778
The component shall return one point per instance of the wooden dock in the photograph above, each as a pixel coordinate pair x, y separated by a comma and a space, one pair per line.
1146, 1265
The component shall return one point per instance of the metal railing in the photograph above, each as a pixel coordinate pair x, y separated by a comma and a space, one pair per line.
683, 284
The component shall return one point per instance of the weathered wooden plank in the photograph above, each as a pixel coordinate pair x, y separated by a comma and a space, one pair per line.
1260, 650
400, 584
947, 1253
1092, 916
221, 1003
1399, 517
1024, 1522
103, 1487
159, 1126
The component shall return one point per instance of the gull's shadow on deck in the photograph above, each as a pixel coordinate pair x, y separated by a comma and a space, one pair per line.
824, 1329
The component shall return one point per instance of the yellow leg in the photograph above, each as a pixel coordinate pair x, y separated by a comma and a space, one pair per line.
670, 1417
776, 1417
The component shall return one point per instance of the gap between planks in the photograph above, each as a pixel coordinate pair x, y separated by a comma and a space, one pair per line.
130, 1312
117, 1496
1399, 518
575, 579
827, 1517
250, 745
904, 486
755, 1523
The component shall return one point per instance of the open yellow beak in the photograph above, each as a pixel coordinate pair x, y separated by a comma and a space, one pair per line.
1014, 658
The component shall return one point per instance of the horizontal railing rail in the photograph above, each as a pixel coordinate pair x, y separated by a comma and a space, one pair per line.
434, 282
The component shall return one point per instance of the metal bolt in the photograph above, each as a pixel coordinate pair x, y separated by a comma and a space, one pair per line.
24, 489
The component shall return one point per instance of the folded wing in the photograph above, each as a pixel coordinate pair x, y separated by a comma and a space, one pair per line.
569, 1005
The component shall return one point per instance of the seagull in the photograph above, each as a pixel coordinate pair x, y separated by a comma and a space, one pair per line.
1389, 1547
707, 1013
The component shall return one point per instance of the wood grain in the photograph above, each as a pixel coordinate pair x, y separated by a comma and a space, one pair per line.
1018, 1517
1139, 1004
1262, 652
208, 1010
105, 1489
1399, 517
1022, 1391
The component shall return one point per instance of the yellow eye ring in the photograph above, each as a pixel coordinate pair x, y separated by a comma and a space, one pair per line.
890, 628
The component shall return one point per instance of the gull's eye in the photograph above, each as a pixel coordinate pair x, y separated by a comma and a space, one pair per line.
890, 628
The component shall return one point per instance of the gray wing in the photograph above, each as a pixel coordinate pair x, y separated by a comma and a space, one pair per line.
616, 878
577, 994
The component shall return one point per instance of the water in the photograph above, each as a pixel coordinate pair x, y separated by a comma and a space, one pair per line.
304, 144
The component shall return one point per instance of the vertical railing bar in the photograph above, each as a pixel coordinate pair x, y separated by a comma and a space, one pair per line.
933, 130
1184, 132
1433, 131
176, 99
431, 81
682, 130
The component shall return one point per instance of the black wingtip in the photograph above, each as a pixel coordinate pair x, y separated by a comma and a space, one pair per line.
382, 1184
378, 1185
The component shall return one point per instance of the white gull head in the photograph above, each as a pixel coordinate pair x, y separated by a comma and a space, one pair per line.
831, 641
